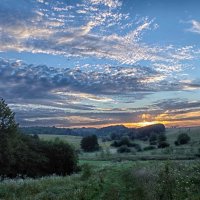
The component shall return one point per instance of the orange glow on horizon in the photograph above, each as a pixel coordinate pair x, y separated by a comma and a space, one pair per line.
169, 120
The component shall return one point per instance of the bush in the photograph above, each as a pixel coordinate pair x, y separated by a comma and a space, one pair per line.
37, 158
123, 149
125, 141
136, 146
198, 153
176, 143
9, 138
115, 144
162, 138
149, 148
62, 159
153, 143
163, 144
153, 138
90, 143
29, 156
183, 138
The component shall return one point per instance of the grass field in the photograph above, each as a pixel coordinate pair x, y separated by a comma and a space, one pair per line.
74, 140
100, 180
106, 174
109, 153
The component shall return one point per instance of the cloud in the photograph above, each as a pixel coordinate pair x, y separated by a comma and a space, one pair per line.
89, 94
177, 104
86, 30
195, 26
21, 80
39, 94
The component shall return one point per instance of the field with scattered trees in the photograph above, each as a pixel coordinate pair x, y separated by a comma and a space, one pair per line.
148, 163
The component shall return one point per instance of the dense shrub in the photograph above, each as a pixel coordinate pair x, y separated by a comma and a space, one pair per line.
115, 144
123, 141
176, 143
153, 143
162, 138
90, 143
123, 149
149, 148
62, 159
153, 139
29, 156
198, 153
163, 144
183, 138
137, 146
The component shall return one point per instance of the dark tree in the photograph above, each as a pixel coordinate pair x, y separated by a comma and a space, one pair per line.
62, 159
153, 139
28, 155
90, 143
162, 141
8, 138
183, 138
123, 149
163, 144
123, 141
7, 118
149, 148
162, 138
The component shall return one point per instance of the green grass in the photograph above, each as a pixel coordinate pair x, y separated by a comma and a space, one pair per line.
141, 180
74, 140
109, 153
173, 133
71, 139
146, 175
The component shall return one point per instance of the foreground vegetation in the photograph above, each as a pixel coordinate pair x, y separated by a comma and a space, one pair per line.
27, 155
149, 180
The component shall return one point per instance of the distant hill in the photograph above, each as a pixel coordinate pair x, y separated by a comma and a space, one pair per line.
146, 131
46, 130
101, 132
119, 129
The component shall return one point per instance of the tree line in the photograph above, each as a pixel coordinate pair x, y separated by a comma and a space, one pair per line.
26, 155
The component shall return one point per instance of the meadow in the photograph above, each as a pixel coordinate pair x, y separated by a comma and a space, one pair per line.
182, 152
140, 180
172, 173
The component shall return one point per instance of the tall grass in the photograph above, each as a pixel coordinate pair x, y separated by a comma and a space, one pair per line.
115, 181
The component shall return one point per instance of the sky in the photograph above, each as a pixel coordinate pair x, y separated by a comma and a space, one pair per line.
95, 63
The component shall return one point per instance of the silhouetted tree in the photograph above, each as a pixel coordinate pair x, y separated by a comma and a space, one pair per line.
162, 141
28, 155
153, 139
123, 149
90, 143
162, 138
8, 138
163, 144
182, 138
62, 159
